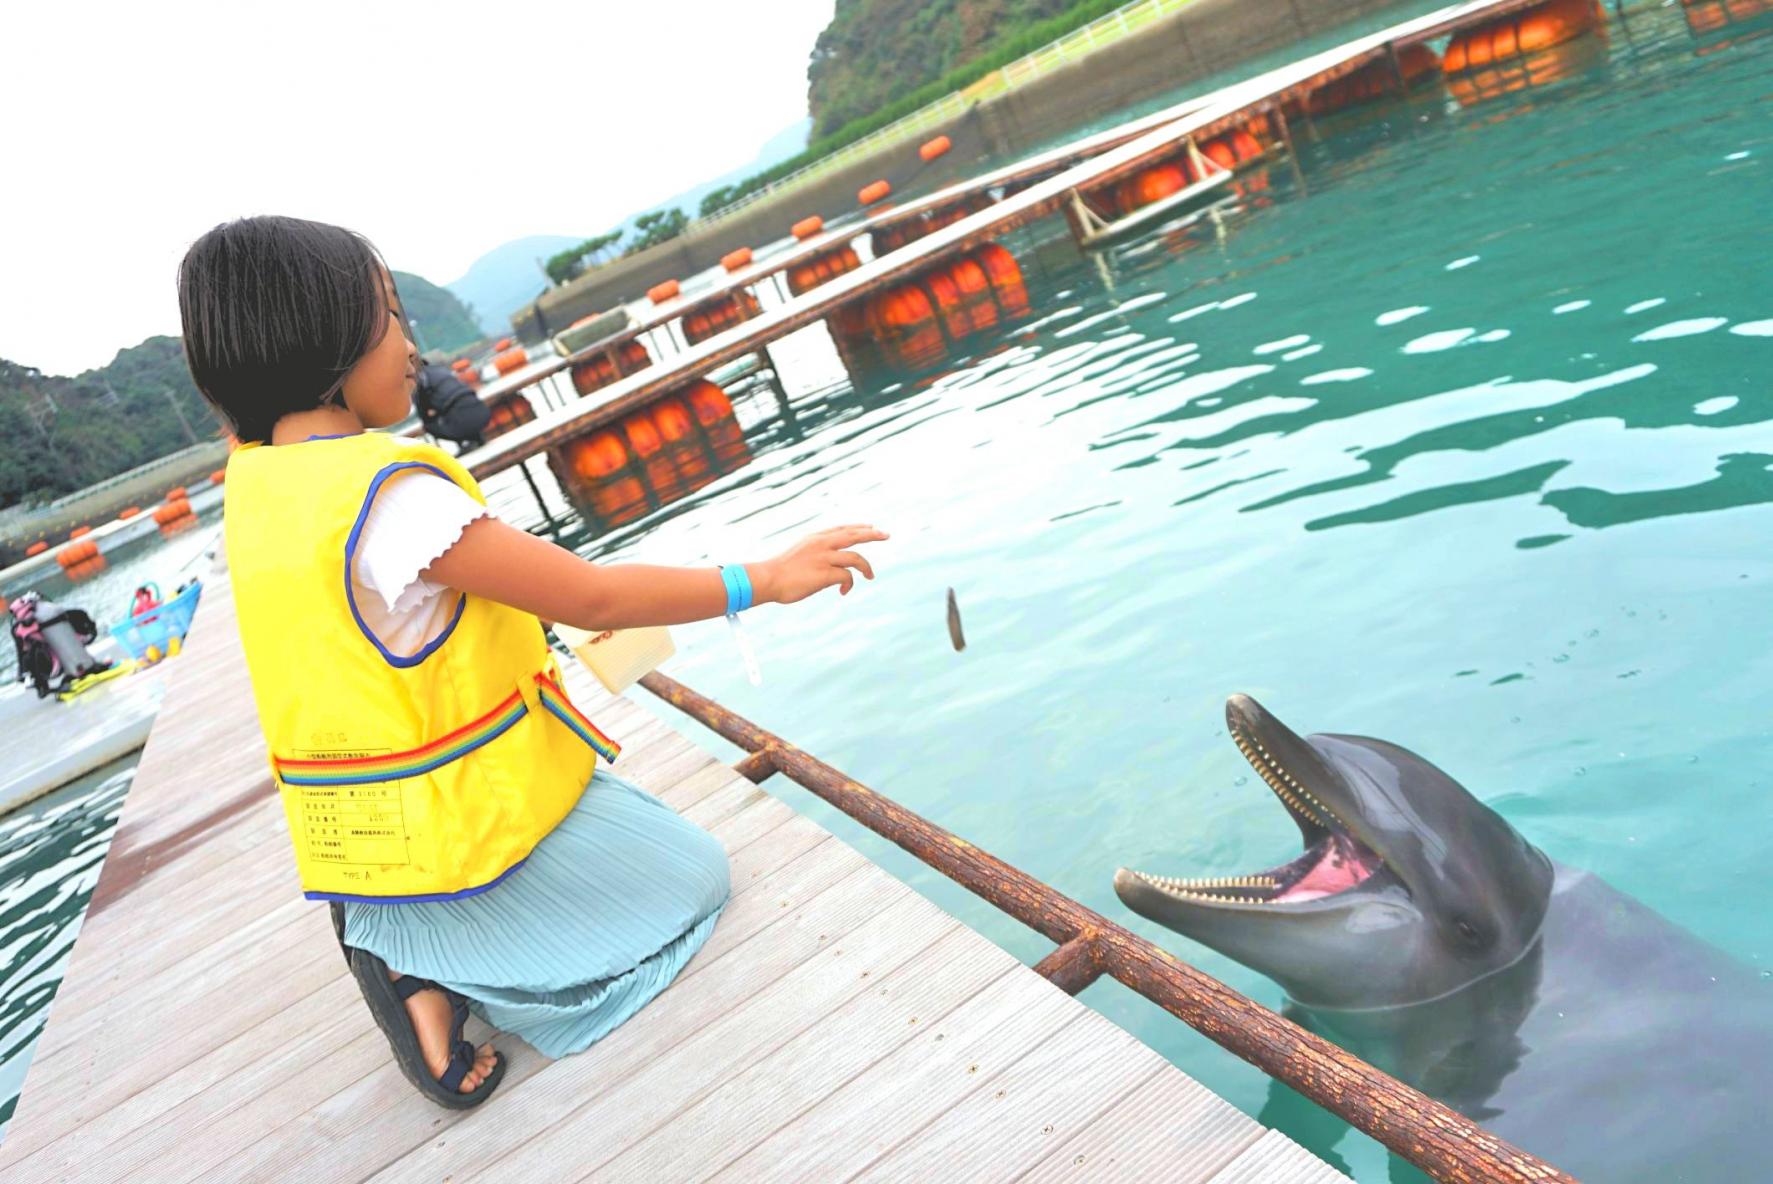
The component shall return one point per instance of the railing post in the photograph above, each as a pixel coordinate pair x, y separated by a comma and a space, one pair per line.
1074, 965
757, 767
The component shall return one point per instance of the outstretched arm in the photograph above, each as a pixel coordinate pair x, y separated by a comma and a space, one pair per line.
499, 562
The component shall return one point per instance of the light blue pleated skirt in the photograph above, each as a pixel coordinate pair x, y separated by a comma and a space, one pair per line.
600, 918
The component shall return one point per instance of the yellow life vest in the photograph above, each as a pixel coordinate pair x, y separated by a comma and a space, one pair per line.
428, 776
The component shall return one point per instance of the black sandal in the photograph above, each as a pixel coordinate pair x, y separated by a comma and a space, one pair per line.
387, 1003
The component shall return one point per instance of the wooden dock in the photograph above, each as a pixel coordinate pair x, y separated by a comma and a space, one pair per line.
836, 1025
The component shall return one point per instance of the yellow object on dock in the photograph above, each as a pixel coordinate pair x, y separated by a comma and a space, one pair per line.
835, 1025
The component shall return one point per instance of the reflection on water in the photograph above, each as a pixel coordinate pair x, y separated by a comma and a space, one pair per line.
50, 855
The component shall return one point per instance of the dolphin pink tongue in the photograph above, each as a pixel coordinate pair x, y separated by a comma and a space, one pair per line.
1341, 865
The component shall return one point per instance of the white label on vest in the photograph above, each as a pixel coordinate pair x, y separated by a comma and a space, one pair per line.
352, 823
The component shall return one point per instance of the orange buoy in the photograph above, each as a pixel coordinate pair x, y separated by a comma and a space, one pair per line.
733, 260
807, 227
86, 567
469, 377
36, 548
508, 412
910, 326
873, 192
80, 559
597, 371
719, 315
511, 361
502, 343
1521, 33
1220, 153
1153, 184
596, 456
659, 293
1246, 146
1708, 16
1006, 279
683, 443
128, 512
649, 449
596, 472
714, 411
218, 477
930, 149
978, 300
172, 511
810, 273
79, 532
176, 494
1372, 81
906, 325
464, 363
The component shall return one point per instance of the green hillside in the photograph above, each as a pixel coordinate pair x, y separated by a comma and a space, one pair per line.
441, 321
59, 434
876, 51
62, 434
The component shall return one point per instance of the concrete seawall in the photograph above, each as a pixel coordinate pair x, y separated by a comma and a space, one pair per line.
143, 486
1200, 40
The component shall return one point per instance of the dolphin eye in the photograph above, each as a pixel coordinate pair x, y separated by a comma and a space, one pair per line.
1467, 930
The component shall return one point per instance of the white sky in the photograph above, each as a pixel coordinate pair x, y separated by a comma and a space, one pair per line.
439, 129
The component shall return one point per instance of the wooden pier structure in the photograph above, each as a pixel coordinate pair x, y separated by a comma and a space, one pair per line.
1062, 181
836, 1025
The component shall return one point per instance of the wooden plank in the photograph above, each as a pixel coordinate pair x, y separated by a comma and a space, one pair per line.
536, 1104
632, 1106
373, 1120
1172, 1129
1057, 1089
703, 783
728, 1121
736, 795
949, 1059
1276, 1159
86, 1146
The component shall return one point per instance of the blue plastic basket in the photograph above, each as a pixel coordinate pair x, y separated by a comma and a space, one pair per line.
158, 626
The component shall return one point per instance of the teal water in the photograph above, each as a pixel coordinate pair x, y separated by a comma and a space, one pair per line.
1465, 441
51, 853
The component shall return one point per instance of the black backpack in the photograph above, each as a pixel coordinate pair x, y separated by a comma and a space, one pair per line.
448, 407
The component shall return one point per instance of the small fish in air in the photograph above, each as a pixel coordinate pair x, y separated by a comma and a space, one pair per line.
954, 633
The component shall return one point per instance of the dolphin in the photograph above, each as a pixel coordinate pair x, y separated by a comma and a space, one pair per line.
1422, 932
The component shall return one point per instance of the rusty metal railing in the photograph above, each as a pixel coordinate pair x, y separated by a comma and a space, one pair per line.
1440, 1141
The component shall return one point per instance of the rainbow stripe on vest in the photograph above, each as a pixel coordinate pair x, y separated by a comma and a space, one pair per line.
555, 700
395, 766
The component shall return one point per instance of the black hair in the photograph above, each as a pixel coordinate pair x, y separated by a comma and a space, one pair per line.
276, 311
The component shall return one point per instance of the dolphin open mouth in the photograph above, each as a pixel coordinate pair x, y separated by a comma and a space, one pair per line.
1334, 861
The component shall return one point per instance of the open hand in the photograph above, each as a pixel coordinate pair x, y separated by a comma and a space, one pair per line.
817, 561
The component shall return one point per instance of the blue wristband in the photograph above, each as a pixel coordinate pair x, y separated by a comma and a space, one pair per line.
738, 588
744, 581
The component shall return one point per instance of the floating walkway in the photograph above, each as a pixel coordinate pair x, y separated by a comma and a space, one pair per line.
836, 1025
1063, 181
169, 517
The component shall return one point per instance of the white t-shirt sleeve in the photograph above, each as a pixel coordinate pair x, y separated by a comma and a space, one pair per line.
416, 516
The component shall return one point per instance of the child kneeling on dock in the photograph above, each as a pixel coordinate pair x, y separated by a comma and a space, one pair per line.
439, 784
